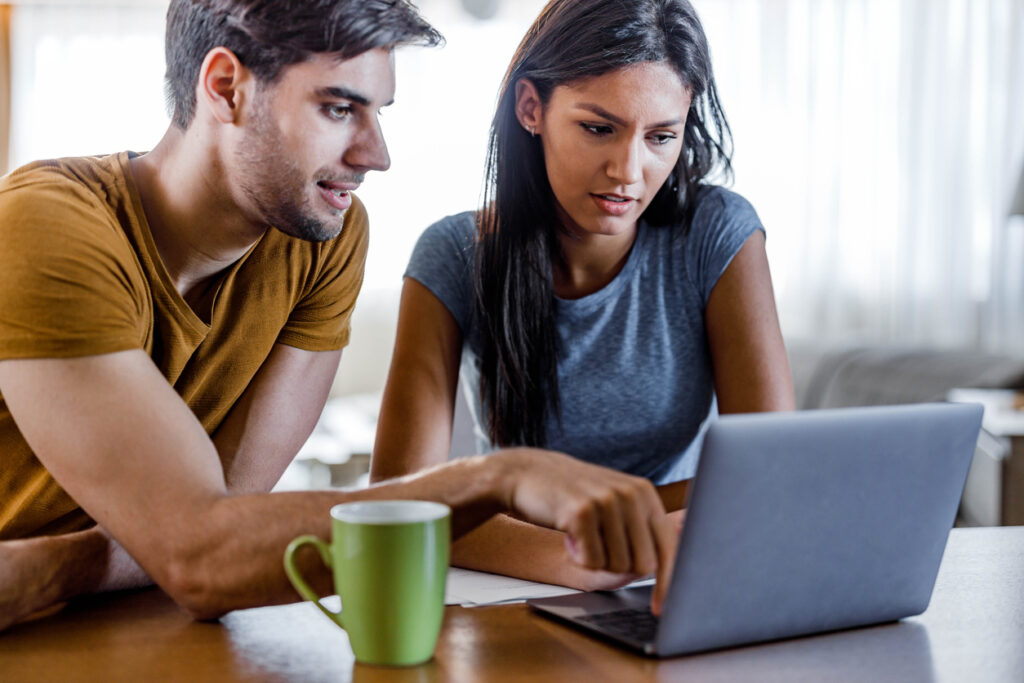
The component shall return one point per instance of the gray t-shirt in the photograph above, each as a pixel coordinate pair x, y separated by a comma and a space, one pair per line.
635, 375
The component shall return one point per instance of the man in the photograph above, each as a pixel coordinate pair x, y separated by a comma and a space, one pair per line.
170, 324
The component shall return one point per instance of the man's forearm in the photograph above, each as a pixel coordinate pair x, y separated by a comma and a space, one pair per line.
228, 555
218, 552
244, 568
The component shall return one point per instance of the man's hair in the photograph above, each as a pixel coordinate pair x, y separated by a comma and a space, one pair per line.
268, 35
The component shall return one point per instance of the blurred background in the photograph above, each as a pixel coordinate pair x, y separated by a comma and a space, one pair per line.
881, 142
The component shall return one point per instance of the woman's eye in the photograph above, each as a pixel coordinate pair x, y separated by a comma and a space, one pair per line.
338, 112
594, 129
662, 138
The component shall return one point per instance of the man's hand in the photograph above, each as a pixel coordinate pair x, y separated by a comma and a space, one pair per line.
613, 521
38, 575
20, 592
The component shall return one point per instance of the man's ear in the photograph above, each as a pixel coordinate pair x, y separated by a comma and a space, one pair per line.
222, 84
529, 109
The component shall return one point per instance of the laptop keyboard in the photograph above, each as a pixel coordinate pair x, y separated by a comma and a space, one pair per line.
632, 624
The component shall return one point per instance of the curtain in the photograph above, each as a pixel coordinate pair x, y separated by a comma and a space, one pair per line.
5, 86
880, 142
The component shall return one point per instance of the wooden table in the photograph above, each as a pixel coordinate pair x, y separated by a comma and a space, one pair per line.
973, 631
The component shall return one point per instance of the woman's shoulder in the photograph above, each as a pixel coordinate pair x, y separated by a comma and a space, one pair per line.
458, 227
717, 205
722, 222
447, 240
442, 262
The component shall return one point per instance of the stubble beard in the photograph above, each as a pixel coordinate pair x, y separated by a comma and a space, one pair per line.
276, 186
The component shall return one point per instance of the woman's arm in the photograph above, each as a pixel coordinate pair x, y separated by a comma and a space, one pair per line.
414, 430
747, 352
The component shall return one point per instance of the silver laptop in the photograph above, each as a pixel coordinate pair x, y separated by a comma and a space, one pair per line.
800, 523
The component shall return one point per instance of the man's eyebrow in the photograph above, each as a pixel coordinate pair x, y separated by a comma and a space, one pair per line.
342, 93
604, 113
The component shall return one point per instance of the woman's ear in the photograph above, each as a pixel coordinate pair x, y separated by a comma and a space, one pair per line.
529, 109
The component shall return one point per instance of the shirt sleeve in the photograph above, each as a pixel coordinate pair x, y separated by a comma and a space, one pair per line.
67, 285
442, 261
722, 223
321, 320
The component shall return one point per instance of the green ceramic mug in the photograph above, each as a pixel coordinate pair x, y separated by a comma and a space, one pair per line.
390, 561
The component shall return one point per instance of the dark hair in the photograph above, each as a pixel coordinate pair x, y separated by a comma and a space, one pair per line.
517, 226
267, 36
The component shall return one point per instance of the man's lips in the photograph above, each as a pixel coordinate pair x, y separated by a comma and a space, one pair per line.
337, 194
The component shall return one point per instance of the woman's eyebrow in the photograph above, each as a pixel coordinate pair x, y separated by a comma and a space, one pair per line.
604, 113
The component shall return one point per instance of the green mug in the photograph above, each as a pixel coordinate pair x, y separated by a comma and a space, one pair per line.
390, 561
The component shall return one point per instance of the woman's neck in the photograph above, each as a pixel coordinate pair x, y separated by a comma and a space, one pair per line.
588, 262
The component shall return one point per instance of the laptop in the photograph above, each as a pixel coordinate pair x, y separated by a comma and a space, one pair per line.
800, 523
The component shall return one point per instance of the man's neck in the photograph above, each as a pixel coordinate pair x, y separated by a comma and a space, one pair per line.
196, 223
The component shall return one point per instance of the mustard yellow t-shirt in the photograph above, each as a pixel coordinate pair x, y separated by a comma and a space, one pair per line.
80, 275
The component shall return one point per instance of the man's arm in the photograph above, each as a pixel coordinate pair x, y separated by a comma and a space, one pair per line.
278, 411
123, 444
257, 440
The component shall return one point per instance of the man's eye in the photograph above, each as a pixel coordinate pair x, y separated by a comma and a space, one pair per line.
338, 112
595, 129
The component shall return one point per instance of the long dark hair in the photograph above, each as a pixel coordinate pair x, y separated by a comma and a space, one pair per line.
517, 226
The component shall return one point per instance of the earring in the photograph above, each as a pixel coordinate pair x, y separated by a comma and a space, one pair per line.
532, 131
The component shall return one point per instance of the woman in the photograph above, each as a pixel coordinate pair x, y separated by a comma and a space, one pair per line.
606, 292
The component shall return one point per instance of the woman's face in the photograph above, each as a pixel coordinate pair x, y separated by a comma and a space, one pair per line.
609, 142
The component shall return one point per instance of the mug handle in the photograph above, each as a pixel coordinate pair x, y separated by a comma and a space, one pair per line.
296, 578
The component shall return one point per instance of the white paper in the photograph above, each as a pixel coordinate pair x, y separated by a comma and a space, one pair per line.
471, 588
467, 587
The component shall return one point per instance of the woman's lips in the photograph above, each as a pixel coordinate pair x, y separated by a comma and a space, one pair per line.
613, 204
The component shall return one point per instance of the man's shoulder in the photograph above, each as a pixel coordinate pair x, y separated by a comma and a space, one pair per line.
62, 194
72, 175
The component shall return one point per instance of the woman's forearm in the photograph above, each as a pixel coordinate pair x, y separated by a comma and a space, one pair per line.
511, 547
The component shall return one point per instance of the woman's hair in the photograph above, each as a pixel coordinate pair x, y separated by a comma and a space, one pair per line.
517, 226
267, 36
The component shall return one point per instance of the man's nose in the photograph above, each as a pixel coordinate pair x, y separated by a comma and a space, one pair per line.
369, 151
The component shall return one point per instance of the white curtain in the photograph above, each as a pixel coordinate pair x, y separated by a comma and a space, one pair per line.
880, 142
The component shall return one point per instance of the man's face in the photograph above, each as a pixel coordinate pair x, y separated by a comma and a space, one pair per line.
311, 137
